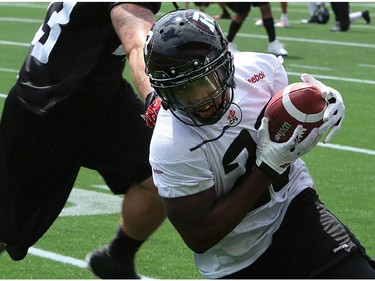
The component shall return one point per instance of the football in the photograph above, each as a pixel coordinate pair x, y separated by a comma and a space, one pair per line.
299, 103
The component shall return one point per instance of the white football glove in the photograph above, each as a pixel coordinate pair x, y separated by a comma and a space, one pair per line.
274, 158
335, 111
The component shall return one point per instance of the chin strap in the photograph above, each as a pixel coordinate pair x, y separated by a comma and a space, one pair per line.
222, 131
214, 139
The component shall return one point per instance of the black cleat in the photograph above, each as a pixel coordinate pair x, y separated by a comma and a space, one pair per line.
312, 19
366, 16
105, 266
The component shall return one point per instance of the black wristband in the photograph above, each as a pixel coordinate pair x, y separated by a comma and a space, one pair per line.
268, 171
279, 180
150, 98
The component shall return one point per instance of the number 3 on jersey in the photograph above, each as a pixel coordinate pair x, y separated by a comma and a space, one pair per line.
47, 35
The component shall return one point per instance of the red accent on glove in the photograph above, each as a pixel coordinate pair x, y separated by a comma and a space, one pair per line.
152, 113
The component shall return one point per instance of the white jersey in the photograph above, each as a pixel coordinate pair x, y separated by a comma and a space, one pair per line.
180, 170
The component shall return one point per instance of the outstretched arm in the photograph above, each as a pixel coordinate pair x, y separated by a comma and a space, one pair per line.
132, 23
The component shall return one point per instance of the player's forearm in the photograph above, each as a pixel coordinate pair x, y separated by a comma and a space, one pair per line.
203, 220
132, 24
232, 208
137, 71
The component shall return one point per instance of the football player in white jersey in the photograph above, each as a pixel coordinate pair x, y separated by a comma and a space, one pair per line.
245, 205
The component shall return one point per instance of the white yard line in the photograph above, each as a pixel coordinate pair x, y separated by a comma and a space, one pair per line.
366, 65
10, 70
308, 67
12, 43
335, 78
25, 5
312, 41
57, 257
22, 20
347, 148
63, 259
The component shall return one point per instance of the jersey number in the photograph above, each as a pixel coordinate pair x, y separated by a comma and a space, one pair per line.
47, 35
241, 142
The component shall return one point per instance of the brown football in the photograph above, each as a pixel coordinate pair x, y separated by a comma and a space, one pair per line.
299, 103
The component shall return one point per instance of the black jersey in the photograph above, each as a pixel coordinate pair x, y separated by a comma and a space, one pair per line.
75, 51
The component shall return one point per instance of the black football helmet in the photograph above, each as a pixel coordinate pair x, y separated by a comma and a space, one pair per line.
322, 15
186, 50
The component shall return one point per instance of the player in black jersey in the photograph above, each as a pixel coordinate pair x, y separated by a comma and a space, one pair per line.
71, 108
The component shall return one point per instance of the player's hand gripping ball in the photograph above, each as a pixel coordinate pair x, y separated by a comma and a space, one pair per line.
299, 103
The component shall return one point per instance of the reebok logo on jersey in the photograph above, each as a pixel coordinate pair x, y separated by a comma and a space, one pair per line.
232, 117
156, 171
256, 77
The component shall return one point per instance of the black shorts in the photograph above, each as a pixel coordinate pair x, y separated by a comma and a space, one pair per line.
244, 7
40, 158
310, 243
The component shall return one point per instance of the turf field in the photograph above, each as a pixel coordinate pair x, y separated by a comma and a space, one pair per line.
343, 170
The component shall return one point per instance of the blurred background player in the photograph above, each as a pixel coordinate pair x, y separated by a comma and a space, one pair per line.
344, 18
283, 21
242, 10
320, 14
314, 8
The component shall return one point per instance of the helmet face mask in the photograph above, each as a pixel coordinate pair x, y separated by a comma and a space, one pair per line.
209, 111
197, 92
190, 67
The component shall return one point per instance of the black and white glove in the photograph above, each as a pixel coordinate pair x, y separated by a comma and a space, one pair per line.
274, 158
335, 111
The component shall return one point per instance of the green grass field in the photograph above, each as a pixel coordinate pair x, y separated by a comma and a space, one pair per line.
343, 170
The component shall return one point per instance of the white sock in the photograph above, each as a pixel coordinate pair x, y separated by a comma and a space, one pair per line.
312, 7
354, 16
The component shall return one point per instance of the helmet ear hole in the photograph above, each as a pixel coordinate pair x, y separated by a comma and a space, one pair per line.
230, 82
165, 104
